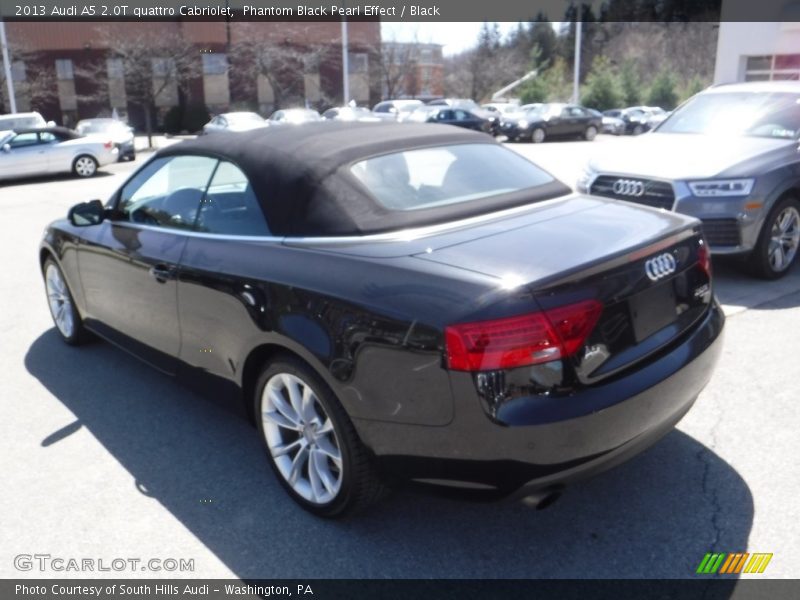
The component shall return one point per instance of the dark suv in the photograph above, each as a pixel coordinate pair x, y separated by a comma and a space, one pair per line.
728, 156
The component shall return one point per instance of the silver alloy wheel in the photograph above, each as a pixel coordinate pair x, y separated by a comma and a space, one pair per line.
784, 240
591, 132
301, 438
85, 166
537, 136
59, 301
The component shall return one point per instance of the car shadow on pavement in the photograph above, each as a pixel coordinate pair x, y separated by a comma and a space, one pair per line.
655, 516
51, 178
737, 290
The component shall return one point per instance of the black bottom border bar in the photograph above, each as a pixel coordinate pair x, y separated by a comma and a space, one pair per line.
705, 587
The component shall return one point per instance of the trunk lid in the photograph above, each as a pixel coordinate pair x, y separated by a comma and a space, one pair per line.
645, 266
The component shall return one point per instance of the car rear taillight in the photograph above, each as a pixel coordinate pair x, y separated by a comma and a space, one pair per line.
108, 145
704, 258
520, 341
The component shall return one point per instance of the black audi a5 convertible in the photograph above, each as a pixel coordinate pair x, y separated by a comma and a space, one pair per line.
397, 302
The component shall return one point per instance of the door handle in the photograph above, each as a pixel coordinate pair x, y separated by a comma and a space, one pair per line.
162, 273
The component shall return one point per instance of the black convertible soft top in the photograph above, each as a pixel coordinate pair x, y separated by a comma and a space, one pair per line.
301, 175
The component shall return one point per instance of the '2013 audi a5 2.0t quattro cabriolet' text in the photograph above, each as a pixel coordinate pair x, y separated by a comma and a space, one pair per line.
397, 302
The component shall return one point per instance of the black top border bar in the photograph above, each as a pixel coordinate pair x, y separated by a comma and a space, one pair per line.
400, 10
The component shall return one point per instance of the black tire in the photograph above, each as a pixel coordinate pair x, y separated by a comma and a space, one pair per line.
538, 135
638, 130
78, 333
84, 166
590, 133
360, 485
758, 262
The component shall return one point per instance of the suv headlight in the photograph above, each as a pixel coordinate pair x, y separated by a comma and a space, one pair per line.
585, 179
717, 188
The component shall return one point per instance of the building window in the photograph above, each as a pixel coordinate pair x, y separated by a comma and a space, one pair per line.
64, 69
115, 67
215, 64
773, 68
359, 62
163, 67
18, 72
426, 55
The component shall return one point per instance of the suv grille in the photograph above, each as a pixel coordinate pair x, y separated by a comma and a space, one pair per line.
657, 194
722, 232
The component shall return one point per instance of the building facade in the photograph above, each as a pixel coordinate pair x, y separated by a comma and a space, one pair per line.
73, 70
762, 51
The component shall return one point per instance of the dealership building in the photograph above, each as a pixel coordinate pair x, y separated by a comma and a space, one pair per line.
65, 51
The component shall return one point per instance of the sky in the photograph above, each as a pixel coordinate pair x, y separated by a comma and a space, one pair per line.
454, 36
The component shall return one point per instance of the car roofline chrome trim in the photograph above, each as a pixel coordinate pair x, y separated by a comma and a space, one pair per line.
405, 235
408, 235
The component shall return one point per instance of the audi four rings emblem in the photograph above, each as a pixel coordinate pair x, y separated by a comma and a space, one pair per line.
660, 266
628, 187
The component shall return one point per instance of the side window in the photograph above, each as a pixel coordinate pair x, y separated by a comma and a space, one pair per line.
230, 207
167, 192
461, 115
47, 138
24, 139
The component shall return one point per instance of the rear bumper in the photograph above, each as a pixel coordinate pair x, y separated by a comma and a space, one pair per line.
126, 150
518, 452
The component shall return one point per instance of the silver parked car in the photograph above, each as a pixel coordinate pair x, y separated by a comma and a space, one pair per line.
235, 121
728, 156
28, 152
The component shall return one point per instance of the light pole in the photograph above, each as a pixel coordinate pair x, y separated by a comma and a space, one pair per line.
12, 101
576, 82
345, 65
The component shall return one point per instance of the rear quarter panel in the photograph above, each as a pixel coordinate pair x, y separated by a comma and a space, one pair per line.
371, 328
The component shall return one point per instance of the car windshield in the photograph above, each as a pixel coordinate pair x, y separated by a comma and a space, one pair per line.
774, 114
433, 177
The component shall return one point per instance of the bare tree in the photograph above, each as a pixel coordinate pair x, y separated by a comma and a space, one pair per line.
282, 64
396, 68
31, 81
152, 66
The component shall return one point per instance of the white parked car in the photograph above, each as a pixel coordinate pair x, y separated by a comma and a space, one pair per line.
395, 110
41, 151
113, 129
234, 121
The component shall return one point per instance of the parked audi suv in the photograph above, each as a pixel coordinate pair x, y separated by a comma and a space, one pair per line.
728, 156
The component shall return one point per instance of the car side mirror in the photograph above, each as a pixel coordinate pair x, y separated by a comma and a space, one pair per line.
87, 213
6, 148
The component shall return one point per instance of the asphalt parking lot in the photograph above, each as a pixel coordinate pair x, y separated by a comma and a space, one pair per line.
104, 458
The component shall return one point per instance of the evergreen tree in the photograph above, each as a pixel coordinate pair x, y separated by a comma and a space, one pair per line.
662, 91
601, 91
630, 84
